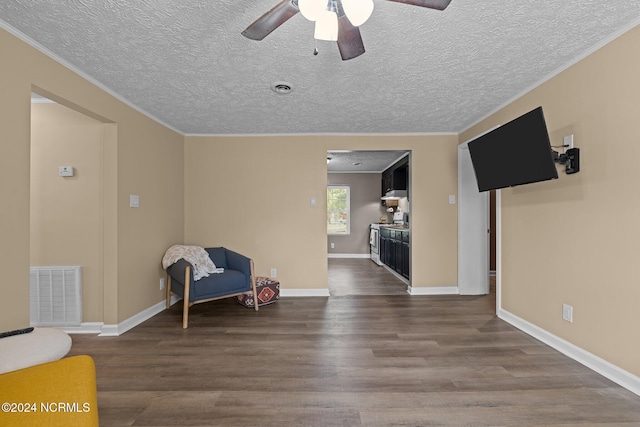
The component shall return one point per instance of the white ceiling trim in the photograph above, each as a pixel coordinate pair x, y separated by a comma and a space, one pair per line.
242, 135
344, 172
34, 44
553, 74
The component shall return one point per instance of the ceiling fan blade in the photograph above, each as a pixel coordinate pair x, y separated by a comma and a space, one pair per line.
349, 39
271, 20
431, 4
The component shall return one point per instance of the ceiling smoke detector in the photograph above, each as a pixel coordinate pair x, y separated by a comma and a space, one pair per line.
281, 88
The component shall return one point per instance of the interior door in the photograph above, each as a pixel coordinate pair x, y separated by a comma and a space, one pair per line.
473, 227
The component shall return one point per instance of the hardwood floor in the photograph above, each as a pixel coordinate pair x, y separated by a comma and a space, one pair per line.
349, 276
352, 360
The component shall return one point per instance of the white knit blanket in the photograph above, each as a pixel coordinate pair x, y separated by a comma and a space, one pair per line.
195, 255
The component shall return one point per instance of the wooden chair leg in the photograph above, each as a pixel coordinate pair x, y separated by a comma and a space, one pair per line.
253, 287
168, 291
185, 302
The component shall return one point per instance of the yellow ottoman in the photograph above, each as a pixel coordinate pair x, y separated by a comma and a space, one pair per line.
61, 393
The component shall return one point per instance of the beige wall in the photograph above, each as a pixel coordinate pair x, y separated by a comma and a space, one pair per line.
248, 175
142, 157
66, 213
365, 206
252, 194
576, 240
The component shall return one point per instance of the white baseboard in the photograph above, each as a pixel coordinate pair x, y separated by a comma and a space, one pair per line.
433, 290
321, 292
133, 321
365, 256
85, 328
614, 373
110, 330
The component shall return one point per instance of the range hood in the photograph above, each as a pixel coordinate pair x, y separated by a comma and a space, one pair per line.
394, 195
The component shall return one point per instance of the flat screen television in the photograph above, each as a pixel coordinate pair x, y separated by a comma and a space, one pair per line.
516, 153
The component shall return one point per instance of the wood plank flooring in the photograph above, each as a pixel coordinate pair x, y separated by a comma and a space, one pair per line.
351, 360
349, 276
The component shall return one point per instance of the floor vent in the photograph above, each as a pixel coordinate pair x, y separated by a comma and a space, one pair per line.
55, 296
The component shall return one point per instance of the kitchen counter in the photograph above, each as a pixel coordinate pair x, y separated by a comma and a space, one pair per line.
395, 227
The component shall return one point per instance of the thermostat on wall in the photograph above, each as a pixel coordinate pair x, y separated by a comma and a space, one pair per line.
65, 171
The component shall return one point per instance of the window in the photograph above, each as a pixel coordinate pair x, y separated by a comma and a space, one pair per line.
338, 209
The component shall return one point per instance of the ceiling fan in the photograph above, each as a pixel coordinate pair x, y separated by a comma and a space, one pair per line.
336, 20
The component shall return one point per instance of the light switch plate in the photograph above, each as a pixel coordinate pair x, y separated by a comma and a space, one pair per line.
452, 199
567, 313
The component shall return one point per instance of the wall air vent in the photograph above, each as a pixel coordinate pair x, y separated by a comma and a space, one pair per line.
55, 296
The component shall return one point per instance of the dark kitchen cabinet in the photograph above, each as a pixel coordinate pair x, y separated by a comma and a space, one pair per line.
396, 177
394, 250
387, 181
399, 260
405, 259
383, 247
388, 247
402, 253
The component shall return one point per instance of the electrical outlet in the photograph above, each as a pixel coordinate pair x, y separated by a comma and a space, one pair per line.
567, 313
333, 245
162, 283
274, 272
567, 142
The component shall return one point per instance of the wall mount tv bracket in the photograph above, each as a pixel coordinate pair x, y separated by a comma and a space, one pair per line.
570, 159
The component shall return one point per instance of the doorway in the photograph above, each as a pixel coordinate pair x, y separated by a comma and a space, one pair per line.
350, 268
72, 211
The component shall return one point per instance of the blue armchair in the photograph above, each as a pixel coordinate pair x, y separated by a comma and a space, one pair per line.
237, 278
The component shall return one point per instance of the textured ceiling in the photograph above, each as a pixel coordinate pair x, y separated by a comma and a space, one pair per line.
362, 161
186, 63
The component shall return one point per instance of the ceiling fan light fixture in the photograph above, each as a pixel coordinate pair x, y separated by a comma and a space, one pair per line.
331, 17
327, 27
357, 11
312, 9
